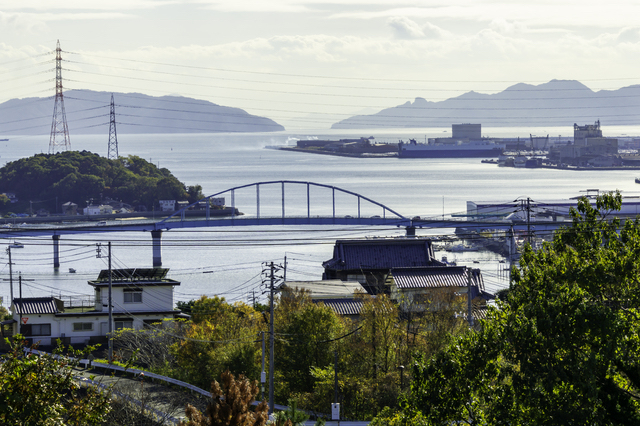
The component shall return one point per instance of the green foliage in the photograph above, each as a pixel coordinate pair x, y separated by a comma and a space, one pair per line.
79, 176
292, 415
220, 337
308, 329
564, 348
40, 390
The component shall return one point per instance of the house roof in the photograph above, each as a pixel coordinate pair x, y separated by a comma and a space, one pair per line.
439, 277
435, 277
381, 253
343, 306
328, 289
139, 276
37, 305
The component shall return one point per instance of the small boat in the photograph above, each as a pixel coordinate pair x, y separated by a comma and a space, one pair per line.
72, 271
16, 244
637, 180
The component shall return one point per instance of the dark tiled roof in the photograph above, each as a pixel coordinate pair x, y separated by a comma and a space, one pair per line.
437, 277
450, 276
37, 305
137, 276
342, 306
383, 253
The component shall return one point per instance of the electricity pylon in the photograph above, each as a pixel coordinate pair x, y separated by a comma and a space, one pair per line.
112, 152
59, 130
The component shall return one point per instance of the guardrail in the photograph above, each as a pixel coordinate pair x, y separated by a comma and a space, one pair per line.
96, 364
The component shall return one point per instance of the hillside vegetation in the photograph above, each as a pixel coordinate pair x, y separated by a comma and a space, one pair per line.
79, 177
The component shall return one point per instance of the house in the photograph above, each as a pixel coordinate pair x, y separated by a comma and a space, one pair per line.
420, 289
167, 205
11, 196
140, 297
70, 209
96, 210
369, 261
338, 295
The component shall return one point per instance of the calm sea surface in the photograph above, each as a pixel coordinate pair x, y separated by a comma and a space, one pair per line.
228, 261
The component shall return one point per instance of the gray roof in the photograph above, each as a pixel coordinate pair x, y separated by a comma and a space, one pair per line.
343, 306
438, 277
328, 289
381, 253
38, 305
434, 277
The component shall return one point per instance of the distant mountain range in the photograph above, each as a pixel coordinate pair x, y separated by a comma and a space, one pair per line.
88, 113
556, 103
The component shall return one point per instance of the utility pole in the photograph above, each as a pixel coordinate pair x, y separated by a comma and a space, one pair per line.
469, 304
21, 304
110, 301
270, 270
263, 375
271, 339
59, 123
10, 273
20, 279
529, 220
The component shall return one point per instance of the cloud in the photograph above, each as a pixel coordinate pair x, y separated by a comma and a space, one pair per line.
404, 28
35, 6
628, 35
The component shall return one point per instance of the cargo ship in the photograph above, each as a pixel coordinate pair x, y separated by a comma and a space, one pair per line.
456, 149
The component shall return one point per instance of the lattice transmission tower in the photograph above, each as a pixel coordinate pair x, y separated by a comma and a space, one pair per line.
59, 130
112, 152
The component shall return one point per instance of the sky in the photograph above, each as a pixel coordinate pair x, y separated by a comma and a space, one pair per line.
307, 64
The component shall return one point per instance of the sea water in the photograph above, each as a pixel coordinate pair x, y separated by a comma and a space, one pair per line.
229, 261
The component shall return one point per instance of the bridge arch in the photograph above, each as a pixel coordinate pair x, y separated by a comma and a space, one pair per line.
386, 212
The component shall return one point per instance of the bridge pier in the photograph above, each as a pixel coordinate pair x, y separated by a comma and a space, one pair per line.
156, 237
56, 251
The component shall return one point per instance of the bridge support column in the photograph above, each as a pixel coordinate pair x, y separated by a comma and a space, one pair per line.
411, 231
156, 237
56, 251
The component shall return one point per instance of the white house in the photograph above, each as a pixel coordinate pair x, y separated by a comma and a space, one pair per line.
140, 297
167, 205
95, 210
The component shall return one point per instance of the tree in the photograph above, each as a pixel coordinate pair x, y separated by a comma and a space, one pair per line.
564, 348
220, 337
308, 330
230, 405
40, 390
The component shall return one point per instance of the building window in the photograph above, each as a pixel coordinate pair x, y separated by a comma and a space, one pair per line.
82, 326
37, 330
124, 323
133, 296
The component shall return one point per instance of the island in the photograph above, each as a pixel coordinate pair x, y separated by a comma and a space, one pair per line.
64, 183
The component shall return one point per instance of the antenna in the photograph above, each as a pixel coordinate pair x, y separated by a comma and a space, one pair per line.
112, 152
59, 130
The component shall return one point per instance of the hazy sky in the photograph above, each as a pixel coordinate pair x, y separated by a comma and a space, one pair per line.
290, 58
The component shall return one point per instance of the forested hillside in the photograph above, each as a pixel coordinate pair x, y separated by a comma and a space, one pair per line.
44, 179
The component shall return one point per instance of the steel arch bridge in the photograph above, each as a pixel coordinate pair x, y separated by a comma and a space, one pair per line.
363, 211
386, 215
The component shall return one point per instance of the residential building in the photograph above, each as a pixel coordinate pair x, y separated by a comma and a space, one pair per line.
369, 261
340, 296
167, 205
140, 297
420, 289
